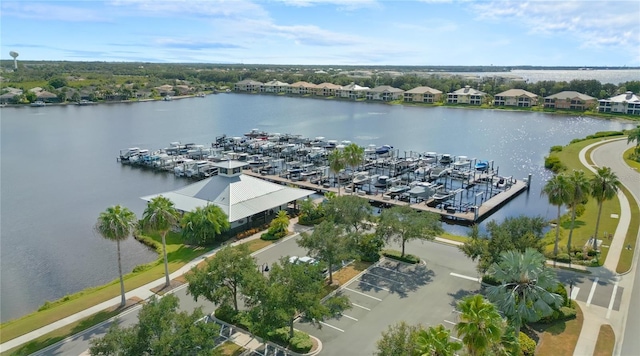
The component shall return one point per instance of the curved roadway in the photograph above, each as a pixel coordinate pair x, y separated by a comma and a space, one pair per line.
610, 155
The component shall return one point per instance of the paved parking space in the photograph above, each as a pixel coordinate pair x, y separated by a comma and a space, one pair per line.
388, 292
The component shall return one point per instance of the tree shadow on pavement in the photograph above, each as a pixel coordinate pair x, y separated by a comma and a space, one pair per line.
400, 280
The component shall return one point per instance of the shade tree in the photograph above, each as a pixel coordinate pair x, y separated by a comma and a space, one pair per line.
402, 223
327, 243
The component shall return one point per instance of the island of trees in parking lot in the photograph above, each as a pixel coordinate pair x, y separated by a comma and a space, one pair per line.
63, 82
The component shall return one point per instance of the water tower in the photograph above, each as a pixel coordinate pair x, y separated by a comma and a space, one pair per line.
15, 61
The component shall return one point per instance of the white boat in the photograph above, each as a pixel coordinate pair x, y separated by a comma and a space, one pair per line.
384, 149
128, 153
361, 178
438, 172
462, 162
38, 103
85, 102
429, 157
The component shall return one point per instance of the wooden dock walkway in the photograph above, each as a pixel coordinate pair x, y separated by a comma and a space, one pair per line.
469, 217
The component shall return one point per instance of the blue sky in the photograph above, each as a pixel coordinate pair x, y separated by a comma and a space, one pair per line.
326, 32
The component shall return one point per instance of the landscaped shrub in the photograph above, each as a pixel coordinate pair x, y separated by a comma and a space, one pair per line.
396, 256
553, 163
301, 342
578, 255
592, 253
567, 313
555, 148
563, 257
268, 236
490, 280
527, 346
225, 313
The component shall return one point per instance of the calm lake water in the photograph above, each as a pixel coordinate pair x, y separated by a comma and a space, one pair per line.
59, 168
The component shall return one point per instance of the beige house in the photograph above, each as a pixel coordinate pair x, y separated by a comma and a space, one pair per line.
248, 85
515, 97
571, 100
326, 89
301, 88
627, 103
352, 91
466, 95
384, 93
422, 95
274, 86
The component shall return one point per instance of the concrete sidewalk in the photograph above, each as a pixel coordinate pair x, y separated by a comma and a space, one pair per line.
144, 292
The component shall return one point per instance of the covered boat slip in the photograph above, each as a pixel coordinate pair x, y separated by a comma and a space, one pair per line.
448, 209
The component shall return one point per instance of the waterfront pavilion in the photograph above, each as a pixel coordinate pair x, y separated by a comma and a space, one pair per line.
246, 200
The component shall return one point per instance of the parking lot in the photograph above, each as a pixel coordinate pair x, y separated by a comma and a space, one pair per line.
389, 292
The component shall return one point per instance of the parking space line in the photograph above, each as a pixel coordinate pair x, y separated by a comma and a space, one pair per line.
450, 322
349, 317
475, 279
593, 290
366, 295
374, 286
388, 279
613, 299
392, 270
360, 306
574, 293
331, 326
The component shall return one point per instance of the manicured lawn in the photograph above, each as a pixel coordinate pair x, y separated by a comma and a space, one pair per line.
606, 341
177, 253
631, 163
559, 338
585, 224
62, 333
452, 237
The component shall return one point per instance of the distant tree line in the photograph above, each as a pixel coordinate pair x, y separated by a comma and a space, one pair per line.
55, 76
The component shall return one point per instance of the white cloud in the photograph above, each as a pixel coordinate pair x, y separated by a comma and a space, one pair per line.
341, 4
50, 11
601, 23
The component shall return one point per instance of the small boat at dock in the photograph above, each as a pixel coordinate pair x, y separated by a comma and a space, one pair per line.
482, 165
384, 149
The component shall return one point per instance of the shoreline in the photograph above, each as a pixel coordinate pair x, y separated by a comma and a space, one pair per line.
622, 118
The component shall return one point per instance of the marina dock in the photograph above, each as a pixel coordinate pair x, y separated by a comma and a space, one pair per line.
459, 189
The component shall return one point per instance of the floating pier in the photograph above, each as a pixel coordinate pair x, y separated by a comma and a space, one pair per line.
460, 189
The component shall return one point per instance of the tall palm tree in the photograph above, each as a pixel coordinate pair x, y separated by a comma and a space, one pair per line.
523, 293
353, 157
557, 190
480, 324
117, 224
336, 164
161, 215
604, 186
436, 341
578, 193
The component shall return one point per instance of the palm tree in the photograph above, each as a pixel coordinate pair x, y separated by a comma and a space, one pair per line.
557, 190
161, 215
604, 186
578, 193
336, 164
523, 294
353, 157
117, 224
480, 324
436, 341
202, 225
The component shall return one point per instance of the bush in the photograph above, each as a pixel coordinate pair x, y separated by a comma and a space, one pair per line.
553, 163
579, 256
594, 263
301, 342
592, 253
267, 236
490, 280
368, 247
396, 256
567, 313
563, 257
226, 313
527, 345
555, 148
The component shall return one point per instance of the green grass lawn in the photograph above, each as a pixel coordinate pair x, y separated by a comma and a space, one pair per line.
585, 224
626, 256
177, 253
631, 163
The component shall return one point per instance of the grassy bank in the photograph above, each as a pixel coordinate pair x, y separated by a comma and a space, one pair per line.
631, 163
178, 255
584, 224
626, 255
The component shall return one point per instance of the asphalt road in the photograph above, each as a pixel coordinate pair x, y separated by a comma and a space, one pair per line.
610, 155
